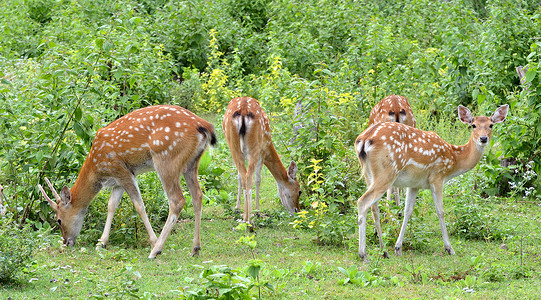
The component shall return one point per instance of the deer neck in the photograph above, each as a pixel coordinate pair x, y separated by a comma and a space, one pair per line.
274, 164
85, 188
468, 156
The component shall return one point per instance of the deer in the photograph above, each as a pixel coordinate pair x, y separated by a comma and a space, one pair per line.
394, 154
247, 131
393, 108
167, 139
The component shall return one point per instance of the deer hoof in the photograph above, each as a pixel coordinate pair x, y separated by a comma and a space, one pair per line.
195, 251
386, 254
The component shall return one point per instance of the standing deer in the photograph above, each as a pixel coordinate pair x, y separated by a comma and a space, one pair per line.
393, 108
165, 138
394, 154
247, 132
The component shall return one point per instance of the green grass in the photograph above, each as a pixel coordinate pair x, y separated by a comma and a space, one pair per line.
82, 271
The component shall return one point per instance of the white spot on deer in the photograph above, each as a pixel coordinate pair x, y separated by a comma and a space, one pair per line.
177, 124
167, 129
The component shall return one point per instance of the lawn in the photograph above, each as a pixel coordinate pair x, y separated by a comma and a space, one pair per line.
295, 266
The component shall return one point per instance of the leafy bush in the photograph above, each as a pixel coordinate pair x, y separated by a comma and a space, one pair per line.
17, 247
222, 282
71, 67
474, 221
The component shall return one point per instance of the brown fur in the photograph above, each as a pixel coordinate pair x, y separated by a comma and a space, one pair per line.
247, 132
165, 138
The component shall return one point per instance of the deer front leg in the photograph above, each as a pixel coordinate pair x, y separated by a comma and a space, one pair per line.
411, 196
114, 201
437, 196
130, 186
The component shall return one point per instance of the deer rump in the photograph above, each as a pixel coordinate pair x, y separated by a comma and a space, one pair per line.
244, 121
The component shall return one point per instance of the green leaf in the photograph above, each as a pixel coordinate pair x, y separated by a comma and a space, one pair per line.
78, 114
79, 130
253, 271
530, 74
99, 43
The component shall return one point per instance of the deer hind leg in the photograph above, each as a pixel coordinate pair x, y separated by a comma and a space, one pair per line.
170, 178
411, 196
368, 199
238, 158
258, 182
114, 201
437, 196
377, 224
239, 194
248, 186
197, 200
130, 186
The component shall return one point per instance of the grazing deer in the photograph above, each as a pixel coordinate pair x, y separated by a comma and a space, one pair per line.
394, 154
247, 132
393, 108
165, 138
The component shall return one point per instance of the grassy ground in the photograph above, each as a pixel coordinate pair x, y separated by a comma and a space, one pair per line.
295, 266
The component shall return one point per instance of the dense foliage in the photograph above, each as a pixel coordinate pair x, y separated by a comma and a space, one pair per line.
71, 67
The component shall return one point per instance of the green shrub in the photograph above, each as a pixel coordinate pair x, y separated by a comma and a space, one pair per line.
473, 221
17, 247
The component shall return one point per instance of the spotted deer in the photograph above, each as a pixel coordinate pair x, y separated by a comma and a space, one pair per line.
247, 132
393, 108
394, 154
165, 138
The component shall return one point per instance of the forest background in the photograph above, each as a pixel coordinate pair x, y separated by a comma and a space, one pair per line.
71, 67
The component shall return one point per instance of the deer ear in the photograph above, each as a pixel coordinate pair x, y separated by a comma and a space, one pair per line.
292, 171
65, 195
500, 114
465, 115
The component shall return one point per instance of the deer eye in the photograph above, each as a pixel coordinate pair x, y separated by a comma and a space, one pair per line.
473, 126
490, 125
59, 222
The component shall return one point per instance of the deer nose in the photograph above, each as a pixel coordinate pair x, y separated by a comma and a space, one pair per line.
484, 139
69, 242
